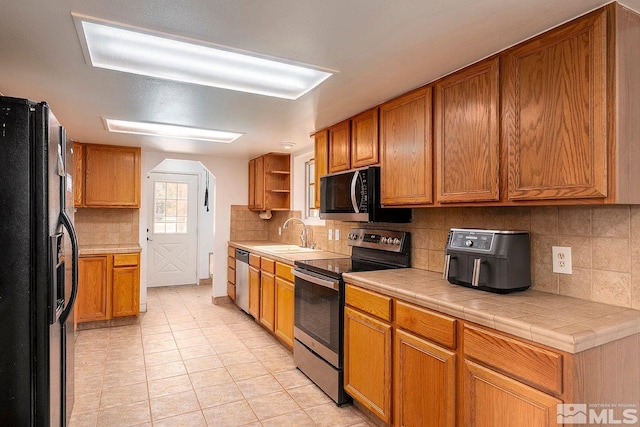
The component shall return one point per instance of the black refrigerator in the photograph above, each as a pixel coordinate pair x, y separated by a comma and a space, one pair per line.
39, 272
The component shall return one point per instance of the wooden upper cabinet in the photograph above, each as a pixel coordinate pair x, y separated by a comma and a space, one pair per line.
270, 182
406, 149
340, 147
78, 173
555, 96
112, 176
467, 134
321, 163
364, 139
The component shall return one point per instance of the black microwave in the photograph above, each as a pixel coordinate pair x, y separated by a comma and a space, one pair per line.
355, 196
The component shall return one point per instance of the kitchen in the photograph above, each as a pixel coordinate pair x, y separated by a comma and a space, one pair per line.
598, 235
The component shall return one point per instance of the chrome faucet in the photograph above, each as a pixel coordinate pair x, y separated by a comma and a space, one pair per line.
303, 234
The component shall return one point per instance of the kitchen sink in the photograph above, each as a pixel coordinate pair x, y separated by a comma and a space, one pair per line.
285, 249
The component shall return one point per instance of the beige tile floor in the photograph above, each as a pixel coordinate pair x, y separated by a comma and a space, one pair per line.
192, 363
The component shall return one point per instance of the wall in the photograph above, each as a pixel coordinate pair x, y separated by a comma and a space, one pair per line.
107, 226
605, 242
230, 189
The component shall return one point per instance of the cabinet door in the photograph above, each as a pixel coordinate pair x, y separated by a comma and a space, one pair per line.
284, 311
340, 147
78, 174
424, 383
125, 295
321, 163
267, 300
259, 184
467, 135
491, 399
112, 176
231, 277
406, 150
252, 184
92, 300
364, 139
367, 362
254, 292
555, 109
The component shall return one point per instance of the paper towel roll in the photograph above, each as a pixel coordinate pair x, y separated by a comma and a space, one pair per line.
265, 215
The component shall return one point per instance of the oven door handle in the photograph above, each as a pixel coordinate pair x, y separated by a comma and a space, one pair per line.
316, 280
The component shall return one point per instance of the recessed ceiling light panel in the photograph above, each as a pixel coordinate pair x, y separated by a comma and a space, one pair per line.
133, 50
170, 131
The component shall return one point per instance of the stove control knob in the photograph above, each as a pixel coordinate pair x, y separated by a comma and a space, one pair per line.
396, 241
468, 243
383, 240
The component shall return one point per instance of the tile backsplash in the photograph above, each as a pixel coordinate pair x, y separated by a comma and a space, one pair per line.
604, 240
107, 226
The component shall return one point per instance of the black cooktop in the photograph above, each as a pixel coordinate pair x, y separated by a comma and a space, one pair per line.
337, 266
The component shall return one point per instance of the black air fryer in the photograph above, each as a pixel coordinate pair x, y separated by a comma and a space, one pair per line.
489, 260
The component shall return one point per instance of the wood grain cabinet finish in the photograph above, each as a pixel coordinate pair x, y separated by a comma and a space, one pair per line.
108, 287
112, 176
284, 295
270, 182
125, 291
93, 289
78, 174
340, 147
254, 292
467, 134
364, 139
268, 293
321, 162
555, 101
406, 148
367, 362
492, 399
424, 382
231, 273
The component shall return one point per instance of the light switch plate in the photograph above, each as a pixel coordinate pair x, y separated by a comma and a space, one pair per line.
561, 259
336, 235
330, 235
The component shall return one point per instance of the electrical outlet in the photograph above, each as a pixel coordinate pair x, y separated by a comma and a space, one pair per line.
279, 231
561, 259
330, 236
336, 235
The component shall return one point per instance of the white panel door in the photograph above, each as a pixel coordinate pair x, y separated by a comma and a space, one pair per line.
172, 237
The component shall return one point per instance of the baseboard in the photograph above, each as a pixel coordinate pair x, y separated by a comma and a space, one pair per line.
221, 300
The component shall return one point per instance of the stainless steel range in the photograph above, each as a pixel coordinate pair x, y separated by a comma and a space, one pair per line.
319, 303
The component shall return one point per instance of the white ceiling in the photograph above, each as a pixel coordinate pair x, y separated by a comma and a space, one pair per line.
382, 49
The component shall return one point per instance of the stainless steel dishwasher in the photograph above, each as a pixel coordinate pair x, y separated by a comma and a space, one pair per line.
242, 279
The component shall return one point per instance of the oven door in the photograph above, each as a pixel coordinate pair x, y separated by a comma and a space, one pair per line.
319, 309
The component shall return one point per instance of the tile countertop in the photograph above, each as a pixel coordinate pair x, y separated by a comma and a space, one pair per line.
253, 246
123, 248
564, 323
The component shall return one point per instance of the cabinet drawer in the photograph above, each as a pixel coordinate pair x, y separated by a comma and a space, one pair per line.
121, 260
369, 302
254, 260
428, 324
231, 275
231, 262
527, 363
231, 251
284, 271
231, 290
268, 265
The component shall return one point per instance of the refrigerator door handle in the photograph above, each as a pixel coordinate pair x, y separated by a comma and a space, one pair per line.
66, 222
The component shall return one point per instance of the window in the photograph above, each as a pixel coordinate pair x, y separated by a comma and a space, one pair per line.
170, 207
310, 194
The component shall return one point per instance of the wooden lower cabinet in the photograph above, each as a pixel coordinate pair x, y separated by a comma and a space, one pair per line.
491, 399
424, 382
92, 300
254, 292
284, 295
108, 287
367, 362
267, 300
125, 291
231, 273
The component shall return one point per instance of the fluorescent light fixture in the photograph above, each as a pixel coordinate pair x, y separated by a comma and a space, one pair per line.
170, 131
129, 49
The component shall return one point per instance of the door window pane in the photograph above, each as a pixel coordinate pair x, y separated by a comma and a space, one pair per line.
170, 213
